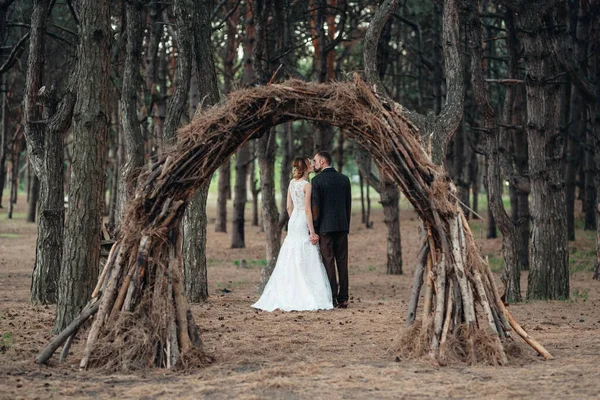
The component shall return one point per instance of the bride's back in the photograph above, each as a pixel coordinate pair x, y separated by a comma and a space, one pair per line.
297, 193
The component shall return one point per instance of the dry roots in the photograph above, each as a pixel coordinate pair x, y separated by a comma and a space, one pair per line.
142, 317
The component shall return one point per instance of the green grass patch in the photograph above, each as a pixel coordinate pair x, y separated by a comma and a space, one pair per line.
10, 235
496, 263
6, 341
16, 215
577, 295
581, 260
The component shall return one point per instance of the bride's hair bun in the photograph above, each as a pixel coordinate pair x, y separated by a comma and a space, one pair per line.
300, 167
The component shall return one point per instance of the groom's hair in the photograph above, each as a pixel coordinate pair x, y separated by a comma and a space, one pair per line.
326, 155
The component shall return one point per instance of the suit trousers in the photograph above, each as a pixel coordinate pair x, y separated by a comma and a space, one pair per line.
334, 250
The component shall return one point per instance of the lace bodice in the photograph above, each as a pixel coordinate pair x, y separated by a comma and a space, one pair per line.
297, 193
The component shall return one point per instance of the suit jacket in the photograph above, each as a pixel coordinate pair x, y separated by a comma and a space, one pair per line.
331, 201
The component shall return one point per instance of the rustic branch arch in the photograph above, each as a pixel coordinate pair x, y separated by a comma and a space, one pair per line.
141, 315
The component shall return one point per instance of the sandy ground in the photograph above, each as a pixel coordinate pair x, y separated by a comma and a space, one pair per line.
333, 354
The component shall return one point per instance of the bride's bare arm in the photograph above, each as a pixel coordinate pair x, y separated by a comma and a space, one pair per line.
307, 208
290, 205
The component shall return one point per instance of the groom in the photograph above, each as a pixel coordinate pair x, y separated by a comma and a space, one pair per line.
331, 203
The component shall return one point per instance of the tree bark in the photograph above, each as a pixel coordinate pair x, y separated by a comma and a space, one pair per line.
549, 267
91, 120
287, 150
254, 184
390, 196
4, 141
195, 218
183, 10
389, 199
128, 104
511, 273
229, 57
46, 152
239, 197
34, 195
589, 170
223, 188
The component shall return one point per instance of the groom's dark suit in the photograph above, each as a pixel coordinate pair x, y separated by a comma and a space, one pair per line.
331, 204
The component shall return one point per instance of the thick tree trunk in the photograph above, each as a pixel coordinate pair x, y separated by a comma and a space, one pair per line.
267, 148
229, 58
91, 119
132, 133
195, 218
183, 10
195, 276
549, 268
46, 152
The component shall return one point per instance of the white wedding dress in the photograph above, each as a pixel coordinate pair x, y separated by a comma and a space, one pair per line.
299, 281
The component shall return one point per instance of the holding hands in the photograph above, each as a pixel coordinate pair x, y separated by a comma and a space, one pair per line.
314, 238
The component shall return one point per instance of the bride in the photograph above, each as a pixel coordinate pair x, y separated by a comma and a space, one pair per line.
299, 281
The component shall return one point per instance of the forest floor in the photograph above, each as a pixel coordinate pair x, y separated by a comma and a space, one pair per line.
333, 354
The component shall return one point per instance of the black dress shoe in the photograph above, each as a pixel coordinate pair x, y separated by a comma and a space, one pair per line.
343, 304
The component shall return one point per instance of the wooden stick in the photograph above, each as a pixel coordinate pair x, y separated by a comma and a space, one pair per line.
531, 341
466, 295
106, 302
192, 329
89, 310
67, 346
123, 291
417, 284
428, 291
109, 261
448, 319
439, 308
175, 265
497, 299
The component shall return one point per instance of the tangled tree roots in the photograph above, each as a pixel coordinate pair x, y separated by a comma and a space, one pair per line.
141, 315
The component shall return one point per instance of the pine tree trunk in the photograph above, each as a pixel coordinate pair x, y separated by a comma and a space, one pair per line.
13, 177
34, 195
590, 172
287, 149
195, 275
223, 189
4, 141
46, 152
131, 131
183, 10
81, 255
267, 148
240, 196
254, 185
390, 197
549, 267
195, 217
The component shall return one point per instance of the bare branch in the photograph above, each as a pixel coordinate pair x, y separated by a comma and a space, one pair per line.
14, 54
382, 15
